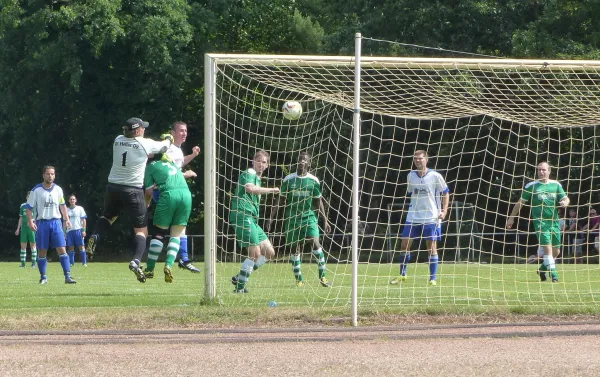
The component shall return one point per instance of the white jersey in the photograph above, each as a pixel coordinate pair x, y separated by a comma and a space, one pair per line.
45, 202
425, 197
176, 155
130, 155
76, 215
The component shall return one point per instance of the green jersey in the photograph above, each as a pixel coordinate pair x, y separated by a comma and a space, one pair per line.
166, 175
543, 198
23, 214
299, 192
242, 201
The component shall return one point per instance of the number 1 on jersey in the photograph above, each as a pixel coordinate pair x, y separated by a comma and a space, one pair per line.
124, 159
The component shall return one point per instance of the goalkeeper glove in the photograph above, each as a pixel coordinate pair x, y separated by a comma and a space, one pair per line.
167, 137
165, 157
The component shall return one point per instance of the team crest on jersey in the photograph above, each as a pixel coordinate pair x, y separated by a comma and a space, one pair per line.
546, 195
418, 191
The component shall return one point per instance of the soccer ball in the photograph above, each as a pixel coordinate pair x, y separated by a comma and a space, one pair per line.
292, 110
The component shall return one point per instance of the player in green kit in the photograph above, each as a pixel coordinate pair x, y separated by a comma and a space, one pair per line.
244, 219
172, 211
301, 194
544, 196
26, 234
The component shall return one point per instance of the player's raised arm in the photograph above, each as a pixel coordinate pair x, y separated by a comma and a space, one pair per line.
511, 218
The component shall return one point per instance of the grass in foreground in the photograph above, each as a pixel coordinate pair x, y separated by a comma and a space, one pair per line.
108, 296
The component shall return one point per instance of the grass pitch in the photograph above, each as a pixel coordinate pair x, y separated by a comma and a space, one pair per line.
107, 295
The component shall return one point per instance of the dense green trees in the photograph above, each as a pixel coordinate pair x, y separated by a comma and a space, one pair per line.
71, 71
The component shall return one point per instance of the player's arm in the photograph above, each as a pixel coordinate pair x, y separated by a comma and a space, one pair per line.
321, 208
30, 221
19, 224
84, 226
253, 189
65, 213
517, 207
445, 204
195, 152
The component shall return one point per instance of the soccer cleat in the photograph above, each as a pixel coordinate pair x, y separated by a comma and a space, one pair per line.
242, 290
299, 283
22, 265
33, 265
43, 281
188, 266
149, 274
168, 274
432, 282
554, 279
139, 274
72, 265
398, 280
324, 282
542, 275
234, 280
70, 280
84, 265
91, 247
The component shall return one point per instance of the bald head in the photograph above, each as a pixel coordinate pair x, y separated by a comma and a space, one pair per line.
543, 171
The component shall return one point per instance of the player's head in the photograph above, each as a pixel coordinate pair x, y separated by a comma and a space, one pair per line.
543, 171
420, 159
134, 127
72, 200
179, 132
260, 162
49, 173
303, 163
572, 212
593, 212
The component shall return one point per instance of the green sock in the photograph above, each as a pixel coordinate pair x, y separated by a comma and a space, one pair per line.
172, 250
23, 256
543, 267
244, 275
297, 267
153, 253
320, 262
33, 255
554, 273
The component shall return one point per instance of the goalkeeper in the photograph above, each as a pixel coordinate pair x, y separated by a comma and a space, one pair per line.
301, 194
172, 211
545, 196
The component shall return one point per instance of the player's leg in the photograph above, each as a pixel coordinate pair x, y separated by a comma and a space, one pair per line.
409, 231
135, 204
71, 247
432, 234
83, 254
317, 251
555, 240
33, 247
112, 208
250, 236
42, 239
156, 247
172, 250
57, 240
23, 252
296, 261
184, 260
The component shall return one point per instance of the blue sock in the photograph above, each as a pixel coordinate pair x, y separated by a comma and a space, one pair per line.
404, 259
64, 262
83, 256
71, 257
433, 265
42, 266
183, 254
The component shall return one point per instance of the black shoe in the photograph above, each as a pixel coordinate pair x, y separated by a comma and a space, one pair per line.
139, 274
555, 280
243, 290
234, 280
188, 266
542, 275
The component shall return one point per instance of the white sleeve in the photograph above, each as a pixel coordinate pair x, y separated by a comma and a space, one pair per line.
408, 186
152, 146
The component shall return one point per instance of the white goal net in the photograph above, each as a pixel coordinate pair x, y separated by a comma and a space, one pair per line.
486, 125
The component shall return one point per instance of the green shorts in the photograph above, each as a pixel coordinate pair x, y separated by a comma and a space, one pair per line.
26, 235
547, 232
297, 230
247, 231
173, 208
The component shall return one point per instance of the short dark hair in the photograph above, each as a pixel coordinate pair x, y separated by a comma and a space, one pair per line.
305, 153
48, 167
178, 123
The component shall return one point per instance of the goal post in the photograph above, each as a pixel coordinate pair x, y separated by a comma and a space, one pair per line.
487, 124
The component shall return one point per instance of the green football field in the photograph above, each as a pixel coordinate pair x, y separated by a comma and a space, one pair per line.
461, 287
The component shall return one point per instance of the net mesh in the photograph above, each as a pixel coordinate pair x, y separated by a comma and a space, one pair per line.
486, 125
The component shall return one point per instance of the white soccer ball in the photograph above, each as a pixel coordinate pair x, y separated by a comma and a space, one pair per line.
292, 110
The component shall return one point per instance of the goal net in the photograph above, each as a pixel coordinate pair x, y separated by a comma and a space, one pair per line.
486, 125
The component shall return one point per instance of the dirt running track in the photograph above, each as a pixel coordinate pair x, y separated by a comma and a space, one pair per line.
531, 349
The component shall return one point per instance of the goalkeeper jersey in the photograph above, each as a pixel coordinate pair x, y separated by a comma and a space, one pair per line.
130, 155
